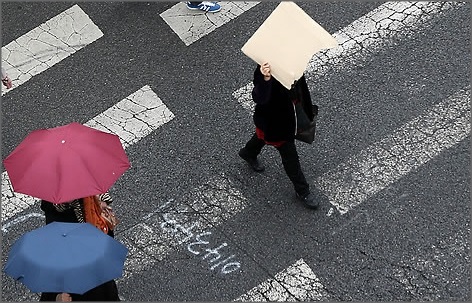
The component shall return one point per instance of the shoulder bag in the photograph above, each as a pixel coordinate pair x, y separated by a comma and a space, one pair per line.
102, 218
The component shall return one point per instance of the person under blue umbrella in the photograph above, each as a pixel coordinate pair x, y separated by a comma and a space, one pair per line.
74, 212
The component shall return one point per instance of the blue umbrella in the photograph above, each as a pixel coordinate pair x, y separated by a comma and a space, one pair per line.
65, 257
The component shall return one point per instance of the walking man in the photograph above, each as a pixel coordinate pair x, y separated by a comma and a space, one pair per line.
275, 121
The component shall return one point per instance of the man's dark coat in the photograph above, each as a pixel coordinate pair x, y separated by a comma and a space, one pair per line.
275, 113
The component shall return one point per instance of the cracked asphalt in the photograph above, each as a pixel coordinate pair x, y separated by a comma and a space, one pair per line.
200, 226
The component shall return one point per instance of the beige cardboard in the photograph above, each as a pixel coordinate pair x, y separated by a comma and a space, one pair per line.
287, 39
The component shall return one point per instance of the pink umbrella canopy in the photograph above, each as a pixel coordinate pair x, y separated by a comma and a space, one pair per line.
65, 163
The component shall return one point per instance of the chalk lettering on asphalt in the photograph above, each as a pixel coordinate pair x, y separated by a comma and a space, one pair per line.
199, 244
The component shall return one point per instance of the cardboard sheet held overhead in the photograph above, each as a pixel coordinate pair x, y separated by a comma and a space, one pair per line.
287, 39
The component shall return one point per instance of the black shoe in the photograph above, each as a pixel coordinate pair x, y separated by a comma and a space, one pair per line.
309, 200
253, 162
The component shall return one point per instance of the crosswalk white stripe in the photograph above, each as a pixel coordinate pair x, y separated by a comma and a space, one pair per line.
131, 119
175, 223
191, 25
134, 117
295, 283
373, 31
47, 45
363, 37
409, 147
13, 203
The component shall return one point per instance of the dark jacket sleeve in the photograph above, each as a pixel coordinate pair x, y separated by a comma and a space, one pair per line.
262, 88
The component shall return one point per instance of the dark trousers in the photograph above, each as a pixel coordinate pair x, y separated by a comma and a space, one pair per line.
288, 153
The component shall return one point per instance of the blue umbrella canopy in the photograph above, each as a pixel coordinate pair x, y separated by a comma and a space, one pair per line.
65, 257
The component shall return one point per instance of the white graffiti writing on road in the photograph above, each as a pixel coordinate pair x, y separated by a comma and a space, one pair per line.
199, 244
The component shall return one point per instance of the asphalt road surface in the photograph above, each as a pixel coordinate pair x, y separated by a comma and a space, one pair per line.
390, 162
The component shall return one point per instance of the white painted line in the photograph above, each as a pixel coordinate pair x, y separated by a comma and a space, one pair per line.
363, 37
12, 202
375, 30
176, 225
296, 283
192, 25
131, 119
47, 45
134, 117
18, 220
409, 147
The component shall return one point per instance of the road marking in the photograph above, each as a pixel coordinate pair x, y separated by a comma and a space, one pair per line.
296, 283
134, 117
409, 147
363, 37
131, 119
20, 219
13, 203
191, 25
174, 224
47, 45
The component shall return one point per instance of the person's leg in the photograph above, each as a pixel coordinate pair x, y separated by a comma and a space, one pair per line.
253, 147
291, 163
250, 152
292, 167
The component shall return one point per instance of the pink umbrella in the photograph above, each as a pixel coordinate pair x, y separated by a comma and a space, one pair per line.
65, 163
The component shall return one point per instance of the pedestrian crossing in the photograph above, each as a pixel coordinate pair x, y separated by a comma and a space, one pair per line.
410, 146
187, 223
48, 44
134, 117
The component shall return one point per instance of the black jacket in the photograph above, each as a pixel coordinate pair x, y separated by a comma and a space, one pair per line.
274, 113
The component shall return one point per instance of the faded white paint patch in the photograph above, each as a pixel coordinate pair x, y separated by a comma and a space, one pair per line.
20, 219
47, 45
363, 37
409, 147
12, 202
295, 283
191, 25
450, 257
131, 119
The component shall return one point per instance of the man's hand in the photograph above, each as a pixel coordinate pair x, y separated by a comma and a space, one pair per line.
6, 81
265, 70
64, 297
